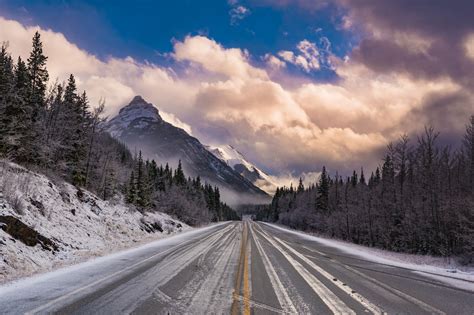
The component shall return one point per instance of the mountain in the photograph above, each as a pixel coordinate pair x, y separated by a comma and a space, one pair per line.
239, 163
140, 126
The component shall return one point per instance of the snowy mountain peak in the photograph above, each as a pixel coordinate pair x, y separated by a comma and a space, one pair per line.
140, 126
138, 113
236, 160
139, 108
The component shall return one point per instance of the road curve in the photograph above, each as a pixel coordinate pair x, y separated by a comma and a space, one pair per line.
233, 268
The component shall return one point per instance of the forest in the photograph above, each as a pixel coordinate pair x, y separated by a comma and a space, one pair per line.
51, 128
419, 200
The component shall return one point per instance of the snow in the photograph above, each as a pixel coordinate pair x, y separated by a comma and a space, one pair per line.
233, 157
441, 269
81, 227
137, 109
73, 281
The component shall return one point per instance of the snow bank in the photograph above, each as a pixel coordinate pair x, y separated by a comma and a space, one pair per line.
79, 223
441, 269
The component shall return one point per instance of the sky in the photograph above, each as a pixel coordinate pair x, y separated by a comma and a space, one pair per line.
293, 84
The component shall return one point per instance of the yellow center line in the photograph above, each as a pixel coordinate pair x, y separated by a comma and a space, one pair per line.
246, 277
242, 271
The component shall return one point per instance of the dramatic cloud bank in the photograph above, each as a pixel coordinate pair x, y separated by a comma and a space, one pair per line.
409, 71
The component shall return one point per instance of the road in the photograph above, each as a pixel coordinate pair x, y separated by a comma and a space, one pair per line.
234, 268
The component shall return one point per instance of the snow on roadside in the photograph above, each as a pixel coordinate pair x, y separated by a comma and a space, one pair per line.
438, 268
81, 225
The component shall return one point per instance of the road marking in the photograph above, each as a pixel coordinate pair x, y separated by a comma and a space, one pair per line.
242, 271
262, 306
401, 294
334, 303
74, 292
280, 291
356, 296
247, 277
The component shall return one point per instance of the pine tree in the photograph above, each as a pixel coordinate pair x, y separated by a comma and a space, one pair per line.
362, 177
354, 179
323, 191
217, 204
143, 185
300, 188
72, 132
468, 144
7, 113
38, 76
179, 177
132, 189
6, 72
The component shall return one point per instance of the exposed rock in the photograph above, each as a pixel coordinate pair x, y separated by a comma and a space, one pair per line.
80, 194
38, 206
22, 232
151, 227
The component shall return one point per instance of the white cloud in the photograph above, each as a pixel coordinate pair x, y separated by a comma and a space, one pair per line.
274, 62
287, 55
233, 63
310, 53
338, 124
238, 12
307, 59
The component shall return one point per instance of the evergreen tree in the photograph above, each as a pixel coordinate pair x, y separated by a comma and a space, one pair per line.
323, 191
7, 107
179, 177
300, 188
468, 144
38, 77
362, 177
143, 185
132, 189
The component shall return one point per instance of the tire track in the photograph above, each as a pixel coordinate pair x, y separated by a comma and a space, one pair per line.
332, 301
282, 295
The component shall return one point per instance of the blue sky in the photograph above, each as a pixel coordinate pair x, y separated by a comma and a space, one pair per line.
146, 29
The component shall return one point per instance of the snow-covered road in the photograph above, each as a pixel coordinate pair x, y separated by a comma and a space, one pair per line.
239, 268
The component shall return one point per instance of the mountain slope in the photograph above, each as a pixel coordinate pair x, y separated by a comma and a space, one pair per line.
46, 223
140, 126
239, 163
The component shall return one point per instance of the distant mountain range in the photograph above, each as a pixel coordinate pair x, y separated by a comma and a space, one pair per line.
140, 126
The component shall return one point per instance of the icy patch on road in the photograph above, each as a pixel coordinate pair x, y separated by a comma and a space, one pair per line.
78, 222
441, 269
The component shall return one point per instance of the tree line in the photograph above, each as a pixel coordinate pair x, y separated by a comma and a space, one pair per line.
168, 190
420, 200
52, 128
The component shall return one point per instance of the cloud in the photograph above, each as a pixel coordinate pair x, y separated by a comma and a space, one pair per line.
469, 46
426, 40
289, 179
232, 63
237, 13
274, 62
224, 98
307, 59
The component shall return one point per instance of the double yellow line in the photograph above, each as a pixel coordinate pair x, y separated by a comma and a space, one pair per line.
242, 274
